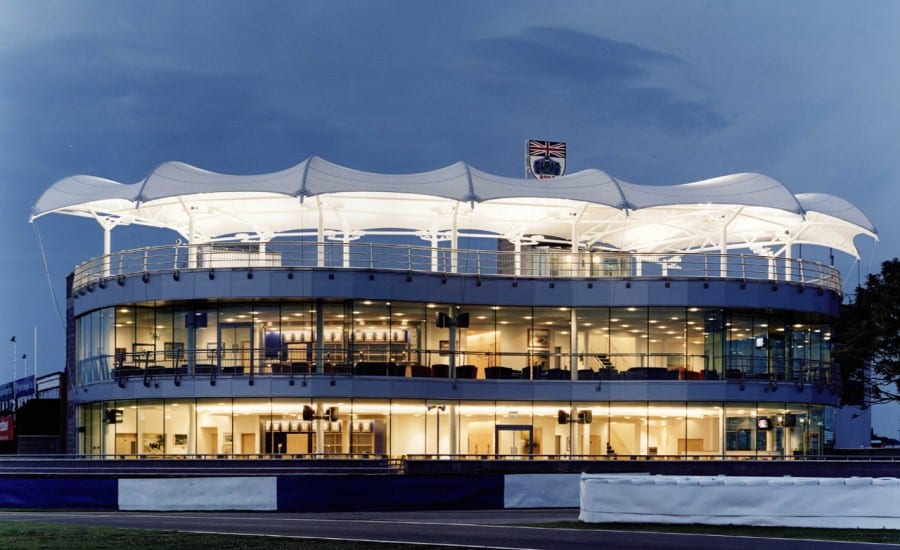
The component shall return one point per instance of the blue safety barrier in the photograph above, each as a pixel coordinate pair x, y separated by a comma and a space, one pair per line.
59, 493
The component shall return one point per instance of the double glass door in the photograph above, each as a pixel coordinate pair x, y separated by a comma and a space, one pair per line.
514, 440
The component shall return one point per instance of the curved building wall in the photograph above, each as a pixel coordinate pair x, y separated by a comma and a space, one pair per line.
224, 362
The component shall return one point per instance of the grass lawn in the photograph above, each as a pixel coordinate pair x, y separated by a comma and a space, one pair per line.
20, 535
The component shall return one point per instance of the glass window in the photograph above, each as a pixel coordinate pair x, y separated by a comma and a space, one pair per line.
267, 346
595, 435
770, 429
480, 341
476, 428
698, 362
121, 424
95, 349
548, 340
512, 326
284, 430
628, 429
666, 429
739, 347
151, 428
704, 430
798, 438
593, 341
368, 427
146, 336
295, 346
407, 427
816, 434
90, 438
740, 430
409, 333
437, 426
214, 426
666, 342
333, 350
181, 437
628, 338
713, 343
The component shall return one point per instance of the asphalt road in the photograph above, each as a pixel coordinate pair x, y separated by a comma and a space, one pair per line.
483, 529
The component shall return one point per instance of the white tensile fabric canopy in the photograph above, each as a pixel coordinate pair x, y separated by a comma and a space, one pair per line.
316, 197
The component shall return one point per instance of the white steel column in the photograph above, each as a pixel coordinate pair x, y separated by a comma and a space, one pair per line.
345, 251
434, 251
575, 267
517, 259
107, 224
454, 241
192, 249
320, 236
723, 250
107, 245
788, 262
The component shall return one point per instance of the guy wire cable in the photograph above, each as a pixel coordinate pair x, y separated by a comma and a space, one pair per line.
47, 273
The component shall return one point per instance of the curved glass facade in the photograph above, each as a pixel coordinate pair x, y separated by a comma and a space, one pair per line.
402, 339
235, 343
484, 429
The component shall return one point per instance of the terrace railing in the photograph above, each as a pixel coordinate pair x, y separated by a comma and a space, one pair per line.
536, 262
152, 366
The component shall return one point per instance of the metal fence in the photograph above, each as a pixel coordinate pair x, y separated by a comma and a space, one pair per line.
535, 262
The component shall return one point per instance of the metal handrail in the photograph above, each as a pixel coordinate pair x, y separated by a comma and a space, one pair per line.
643, 457
866, 455
254, 362
534, 263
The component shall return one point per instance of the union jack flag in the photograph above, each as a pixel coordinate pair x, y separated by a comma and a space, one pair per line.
554, 149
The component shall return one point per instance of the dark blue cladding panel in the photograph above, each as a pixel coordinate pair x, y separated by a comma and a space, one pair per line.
361, 493
459, 289
59, 493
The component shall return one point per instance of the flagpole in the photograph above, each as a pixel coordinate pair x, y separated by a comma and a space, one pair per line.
526, 159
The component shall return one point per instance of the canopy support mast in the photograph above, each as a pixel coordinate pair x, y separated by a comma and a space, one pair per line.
107, 223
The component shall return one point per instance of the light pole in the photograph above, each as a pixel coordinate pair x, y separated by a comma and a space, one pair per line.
25, 368
13, 340
14, 355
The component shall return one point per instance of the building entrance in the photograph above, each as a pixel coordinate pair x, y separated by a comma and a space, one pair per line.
516, 439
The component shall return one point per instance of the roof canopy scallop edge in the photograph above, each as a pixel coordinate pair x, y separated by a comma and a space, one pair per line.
316, 197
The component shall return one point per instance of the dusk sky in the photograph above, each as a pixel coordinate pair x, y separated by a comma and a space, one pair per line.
651, 92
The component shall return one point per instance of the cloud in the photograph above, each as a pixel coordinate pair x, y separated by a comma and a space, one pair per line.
561, 72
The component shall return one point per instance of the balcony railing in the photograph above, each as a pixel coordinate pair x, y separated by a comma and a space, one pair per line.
533, 262
152, 366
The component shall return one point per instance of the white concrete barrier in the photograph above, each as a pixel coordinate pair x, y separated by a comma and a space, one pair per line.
199, 493
869, 503
541, 490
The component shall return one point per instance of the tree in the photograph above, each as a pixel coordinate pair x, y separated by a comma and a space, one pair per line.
868, 339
